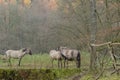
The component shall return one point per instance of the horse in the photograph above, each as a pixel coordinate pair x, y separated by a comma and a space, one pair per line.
56, 55
70, 55
17, 54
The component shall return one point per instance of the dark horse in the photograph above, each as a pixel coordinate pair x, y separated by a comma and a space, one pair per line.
70, 55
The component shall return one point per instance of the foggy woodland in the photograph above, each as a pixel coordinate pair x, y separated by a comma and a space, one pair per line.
46, 24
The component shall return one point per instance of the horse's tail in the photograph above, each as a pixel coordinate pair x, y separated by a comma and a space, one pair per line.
78, 60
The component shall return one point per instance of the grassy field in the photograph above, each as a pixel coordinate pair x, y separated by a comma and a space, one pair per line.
37, 64
40, 61
36, 61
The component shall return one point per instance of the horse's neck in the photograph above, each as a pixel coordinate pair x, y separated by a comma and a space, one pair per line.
23, 53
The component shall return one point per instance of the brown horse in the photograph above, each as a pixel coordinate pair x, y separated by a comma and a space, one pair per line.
70, 55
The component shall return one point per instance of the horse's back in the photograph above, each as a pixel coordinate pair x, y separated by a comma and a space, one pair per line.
12, 53
8, 52
55, 54
70, 53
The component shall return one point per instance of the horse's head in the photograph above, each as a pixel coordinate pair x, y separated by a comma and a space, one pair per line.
61, 48
27, 51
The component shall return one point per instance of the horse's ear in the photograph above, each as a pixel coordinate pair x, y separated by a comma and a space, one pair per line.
57, 48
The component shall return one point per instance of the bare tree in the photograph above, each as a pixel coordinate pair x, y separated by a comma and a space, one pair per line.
93, 33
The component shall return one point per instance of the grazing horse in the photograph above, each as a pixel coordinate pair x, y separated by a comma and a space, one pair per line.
56, 55
70, 55
17, 54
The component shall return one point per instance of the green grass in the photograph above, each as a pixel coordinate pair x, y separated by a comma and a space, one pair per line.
35, 61
41, 63
38, 62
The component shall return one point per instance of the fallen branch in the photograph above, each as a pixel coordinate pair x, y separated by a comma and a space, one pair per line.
98, 45
115, 43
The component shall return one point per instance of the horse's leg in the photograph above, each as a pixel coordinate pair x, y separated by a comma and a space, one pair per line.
58, 63
52, 62
9, 62
61, 63
67, 63
19, 61
64, 62
76, 62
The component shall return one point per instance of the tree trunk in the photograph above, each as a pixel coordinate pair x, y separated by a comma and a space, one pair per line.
93, 30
